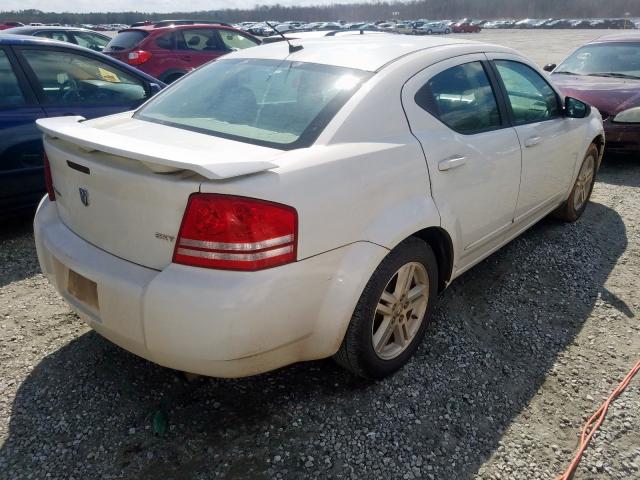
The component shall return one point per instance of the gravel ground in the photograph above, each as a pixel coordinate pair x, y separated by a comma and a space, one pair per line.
521, 350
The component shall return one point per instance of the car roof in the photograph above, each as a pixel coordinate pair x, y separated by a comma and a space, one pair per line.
178, 26
618, 37
363, 52
31, 28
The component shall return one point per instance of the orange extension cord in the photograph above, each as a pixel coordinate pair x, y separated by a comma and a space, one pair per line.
594, 423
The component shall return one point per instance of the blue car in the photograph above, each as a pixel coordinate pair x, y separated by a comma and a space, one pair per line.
45, 78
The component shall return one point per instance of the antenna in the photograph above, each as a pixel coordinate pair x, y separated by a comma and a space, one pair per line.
292, 48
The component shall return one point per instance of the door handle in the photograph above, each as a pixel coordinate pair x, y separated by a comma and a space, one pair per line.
186, 58
532, 141
449, 163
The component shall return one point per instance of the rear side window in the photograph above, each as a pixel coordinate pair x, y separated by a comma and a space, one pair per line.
461, 98
166, 41
530, 96
60, 36
10, 93
199, 39
90, 40
235, 41
125, 40
72, 79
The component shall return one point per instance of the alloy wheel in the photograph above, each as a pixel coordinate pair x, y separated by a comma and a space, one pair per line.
400, 311
583, 183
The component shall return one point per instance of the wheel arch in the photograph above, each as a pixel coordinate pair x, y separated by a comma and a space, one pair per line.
442, 245
598, 141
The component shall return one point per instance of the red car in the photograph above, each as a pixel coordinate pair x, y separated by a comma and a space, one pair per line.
6, 25
169, 49
605, 73
465, 27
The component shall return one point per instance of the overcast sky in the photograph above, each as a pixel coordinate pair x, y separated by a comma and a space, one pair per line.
148, 5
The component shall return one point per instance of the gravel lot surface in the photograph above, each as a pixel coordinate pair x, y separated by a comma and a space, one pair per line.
521, 350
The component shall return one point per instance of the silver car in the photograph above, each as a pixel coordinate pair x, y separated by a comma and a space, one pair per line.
434, 27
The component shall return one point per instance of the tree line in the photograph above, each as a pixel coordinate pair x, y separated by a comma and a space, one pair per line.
431, 9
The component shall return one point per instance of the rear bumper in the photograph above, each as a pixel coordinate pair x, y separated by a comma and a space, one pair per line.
212, 322
622, 138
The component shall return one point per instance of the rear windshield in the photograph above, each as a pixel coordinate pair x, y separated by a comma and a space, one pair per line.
275, 103
125, 40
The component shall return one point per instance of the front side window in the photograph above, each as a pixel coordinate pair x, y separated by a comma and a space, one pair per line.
235, 41
530, 96
90, 40
275, 103
10, 92
71, 79
461, 97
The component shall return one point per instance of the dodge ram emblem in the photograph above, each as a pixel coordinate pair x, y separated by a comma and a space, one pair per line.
84, 196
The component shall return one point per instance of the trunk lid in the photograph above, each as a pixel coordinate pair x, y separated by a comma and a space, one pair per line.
123, 184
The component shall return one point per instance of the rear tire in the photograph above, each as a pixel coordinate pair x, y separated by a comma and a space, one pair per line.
392, 314
573, 208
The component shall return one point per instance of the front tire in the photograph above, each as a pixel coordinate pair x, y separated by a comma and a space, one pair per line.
392, 314
573, 208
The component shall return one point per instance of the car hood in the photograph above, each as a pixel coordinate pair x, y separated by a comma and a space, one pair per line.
609, 95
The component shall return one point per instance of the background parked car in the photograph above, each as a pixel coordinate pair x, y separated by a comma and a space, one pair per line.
405, 28
7, 25
606, 74
465, 27
44, 78
169, 49
433, 28
80, 36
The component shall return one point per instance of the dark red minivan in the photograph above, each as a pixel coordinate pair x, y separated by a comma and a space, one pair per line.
171, 48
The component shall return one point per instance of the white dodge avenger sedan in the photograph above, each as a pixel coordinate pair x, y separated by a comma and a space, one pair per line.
285, 204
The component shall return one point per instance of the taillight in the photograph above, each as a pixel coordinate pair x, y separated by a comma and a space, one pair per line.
236, 233
138, 57
47, 179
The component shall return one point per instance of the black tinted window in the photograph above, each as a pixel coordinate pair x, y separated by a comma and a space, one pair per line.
462, 98
166, 41
125, 40
530, 96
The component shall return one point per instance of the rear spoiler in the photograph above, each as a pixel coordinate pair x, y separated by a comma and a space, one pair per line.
158, 158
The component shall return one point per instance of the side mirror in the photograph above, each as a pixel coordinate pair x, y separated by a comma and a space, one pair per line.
549, 67
574, 108
154, 88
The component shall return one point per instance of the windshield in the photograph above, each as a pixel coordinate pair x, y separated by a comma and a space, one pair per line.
605, 59
276, 103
